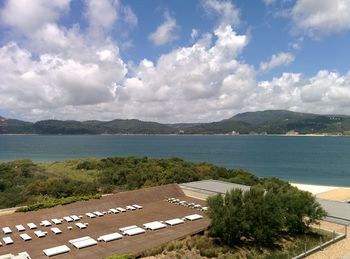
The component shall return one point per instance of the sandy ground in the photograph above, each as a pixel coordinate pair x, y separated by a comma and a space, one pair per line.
340, 194
326, 192
314, 189
339, 250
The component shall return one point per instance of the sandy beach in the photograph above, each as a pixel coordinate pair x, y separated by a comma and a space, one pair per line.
336, 193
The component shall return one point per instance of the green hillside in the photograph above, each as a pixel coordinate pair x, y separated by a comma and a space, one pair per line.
10, 126
260, 122
277, 122
267, 116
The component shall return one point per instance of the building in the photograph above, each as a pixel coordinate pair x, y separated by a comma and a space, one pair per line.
203, 189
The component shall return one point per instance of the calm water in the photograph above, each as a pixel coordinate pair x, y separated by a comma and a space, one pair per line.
318, 160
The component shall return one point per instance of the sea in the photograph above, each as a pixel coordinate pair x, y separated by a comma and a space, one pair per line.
300, 159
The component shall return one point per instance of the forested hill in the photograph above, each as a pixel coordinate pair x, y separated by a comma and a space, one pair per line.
260, 122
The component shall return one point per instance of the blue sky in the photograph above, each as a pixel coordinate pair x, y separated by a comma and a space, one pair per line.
172, 61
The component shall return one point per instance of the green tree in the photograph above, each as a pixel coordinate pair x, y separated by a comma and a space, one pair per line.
263, 213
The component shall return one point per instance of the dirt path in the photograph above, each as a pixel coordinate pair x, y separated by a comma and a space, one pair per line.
7, 211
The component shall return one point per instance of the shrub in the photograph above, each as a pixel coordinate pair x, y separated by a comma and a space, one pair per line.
55, 202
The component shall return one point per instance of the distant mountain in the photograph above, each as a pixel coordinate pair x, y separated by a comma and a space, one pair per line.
11, 126
101, 127
270, 116
282, 122
260, 122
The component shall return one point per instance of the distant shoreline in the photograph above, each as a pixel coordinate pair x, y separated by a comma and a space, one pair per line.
144, 134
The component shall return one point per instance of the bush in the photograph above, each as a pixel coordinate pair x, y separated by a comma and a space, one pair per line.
263, 213
55, 202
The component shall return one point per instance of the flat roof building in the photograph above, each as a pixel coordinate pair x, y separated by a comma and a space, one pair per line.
205, 188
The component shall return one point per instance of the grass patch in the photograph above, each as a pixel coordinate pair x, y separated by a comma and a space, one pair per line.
55, 202
69, 169
204, 245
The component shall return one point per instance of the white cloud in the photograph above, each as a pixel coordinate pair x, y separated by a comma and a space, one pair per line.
52, 81
28, 16
225, 10
318, 18
277, 60
166, 32
194, 34
269, 2
61, 72
101, 14
58, 67
185, 80
326, 92
129, 16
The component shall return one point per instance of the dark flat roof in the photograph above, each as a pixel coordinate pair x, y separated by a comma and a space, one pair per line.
154, 208
338, 212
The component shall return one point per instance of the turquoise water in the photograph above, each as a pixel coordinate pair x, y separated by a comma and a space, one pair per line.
318, 160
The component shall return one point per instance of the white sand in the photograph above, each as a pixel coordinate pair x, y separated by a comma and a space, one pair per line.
316, 189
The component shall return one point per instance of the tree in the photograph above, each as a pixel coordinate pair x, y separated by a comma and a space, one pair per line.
263, 213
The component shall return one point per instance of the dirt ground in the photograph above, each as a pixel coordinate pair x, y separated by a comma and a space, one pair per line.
339, 194
339, 250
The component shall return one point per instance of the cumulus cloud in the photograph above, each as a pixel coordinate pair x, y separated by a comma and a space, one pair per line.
326, 92
101, 14
57, 68
185, 80
277, 60
29, 16
60, 72
166, 32
225, 10
318, 18
54, 81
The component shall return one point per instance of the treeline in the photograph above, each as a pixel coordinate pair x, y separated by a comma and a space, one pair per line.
270, 122
263, 214
23, 182
134, 173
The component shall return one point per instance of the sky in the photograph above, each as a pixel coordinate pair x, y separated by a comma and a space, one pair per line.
172, 61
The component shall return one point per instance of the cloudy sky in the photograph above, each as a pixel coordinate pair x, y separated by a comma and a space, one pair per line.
172, 61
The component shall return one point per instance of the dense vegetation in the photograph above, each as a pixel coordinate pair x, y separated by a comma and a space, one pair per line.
206, 246
44, 185
270, 219
263, 214
23, 182
133, 173
270, 122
